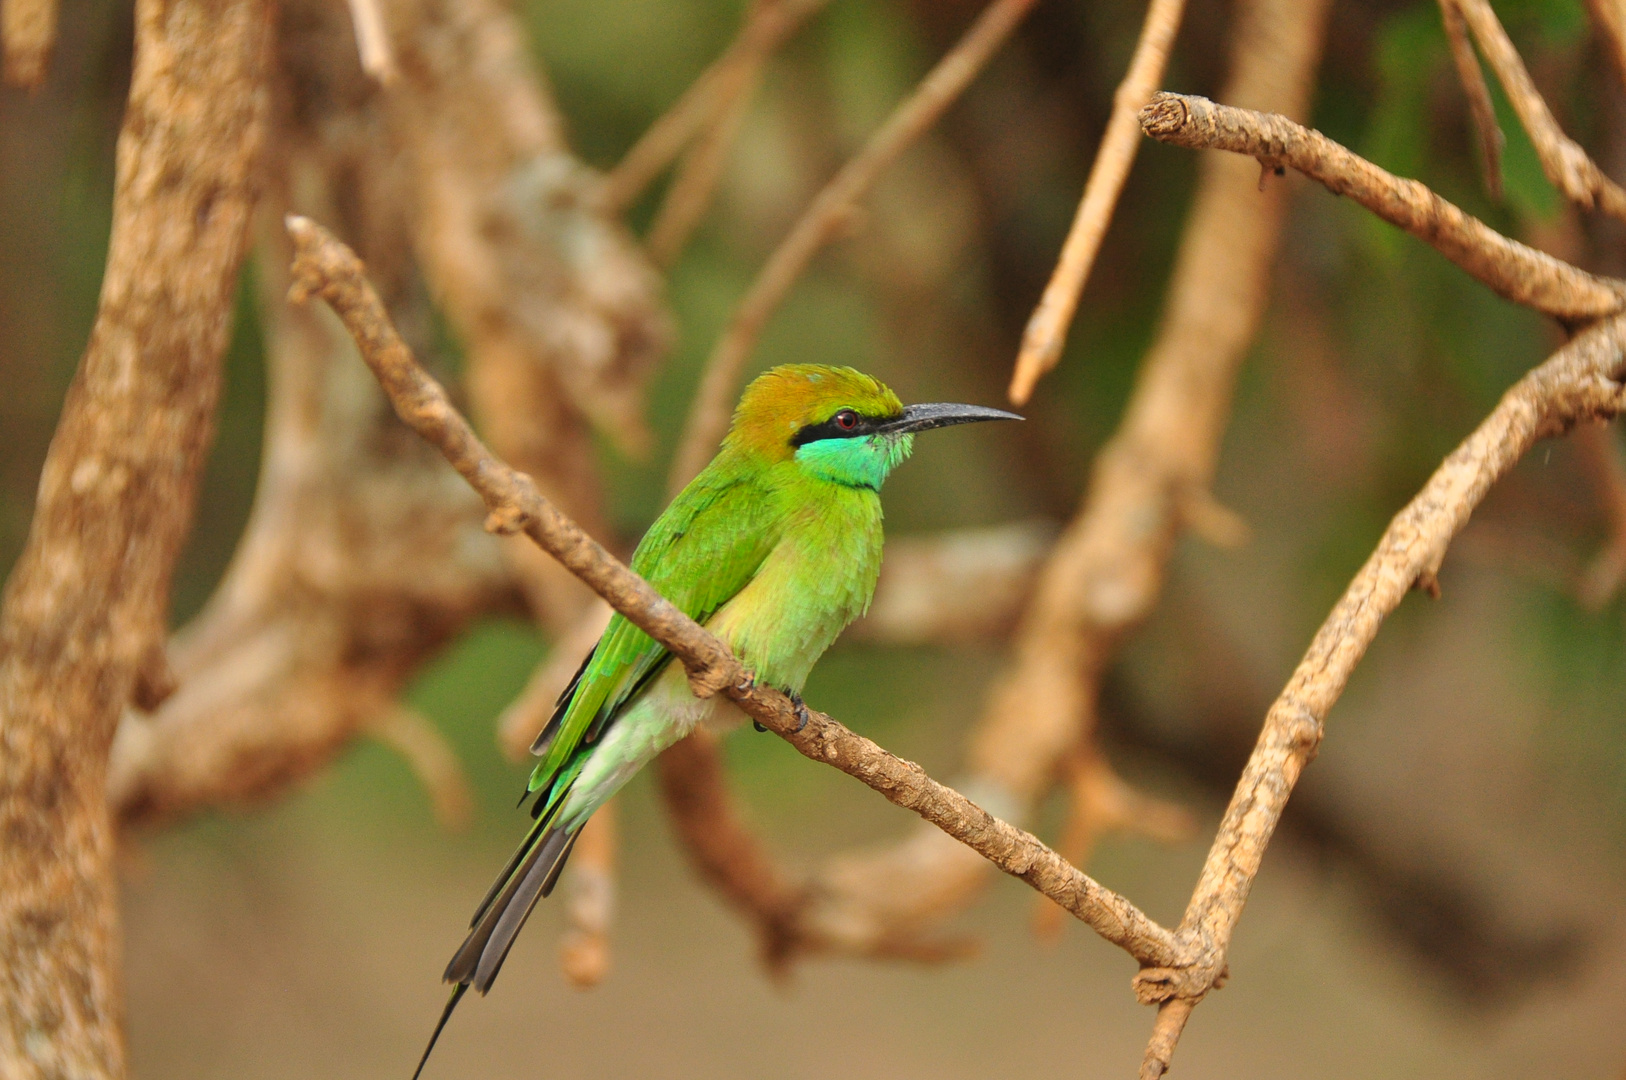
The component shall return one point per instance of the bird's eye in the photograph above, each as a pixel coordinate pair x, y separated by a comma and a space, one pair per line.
846, 419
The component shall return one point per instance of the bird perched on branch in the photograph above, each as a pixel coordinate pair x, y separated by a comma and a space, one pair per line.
775, 548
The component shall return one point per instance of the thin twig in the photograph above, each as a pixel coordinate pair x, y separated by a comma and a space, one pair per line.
1568, 166
325, 267
1580, 382
690, 194
1102, 804
28, 34
1517, 272
1171, 1021
1046, 331
373, 41
1480, 109
767, 25
823, 219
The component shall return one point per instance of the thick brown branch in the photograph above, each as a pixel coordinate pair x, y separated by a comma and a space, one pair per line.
324, 267
28, 34
1579, 383
1046, 331
85, 607
828, 213
558, 307
1562, 159
362, 556
1520, 273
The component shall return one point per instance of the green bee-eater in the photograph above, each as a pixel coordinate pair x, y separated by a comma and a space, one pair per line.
775, 548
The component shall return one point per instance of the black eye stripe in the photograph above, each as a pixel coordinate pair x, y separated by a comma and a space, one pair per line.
833, 428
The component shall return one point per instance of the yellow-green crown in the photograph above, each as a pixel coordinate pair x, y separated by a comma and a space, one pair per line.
783, 400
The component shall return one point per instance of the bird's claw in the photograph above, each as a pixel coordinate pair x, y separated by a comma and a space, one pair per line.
802, 715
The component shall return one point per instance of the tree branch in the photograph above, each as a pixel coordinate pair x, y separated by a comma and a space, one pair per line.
1511, 269
28, 33
1046, 330
85, 607
1580, 382
1104, 574
829, 211
362, 556
373, 41
1562, 159
1480, 109
707, 100
1609, 17
325, 267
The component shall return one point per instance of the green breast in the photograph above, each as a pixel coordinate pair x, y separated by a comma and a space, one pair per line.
818, 578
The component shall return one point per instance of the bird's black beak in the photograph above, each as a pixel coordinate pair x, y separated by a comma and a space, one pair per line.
936, 415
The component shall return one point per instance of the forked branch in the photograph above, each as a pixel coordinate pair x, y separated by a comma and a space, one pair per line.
1568, 166
325, 267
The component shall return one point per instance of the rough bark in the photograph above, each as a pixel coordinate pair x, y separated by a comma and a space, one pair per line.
82, 628
363, 555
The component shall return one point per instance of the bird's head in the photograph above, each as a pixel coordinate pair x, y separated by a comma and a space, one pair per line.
836, 423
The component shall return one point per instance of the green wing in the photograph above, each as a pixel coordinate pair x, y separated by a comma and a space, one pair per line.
698, 554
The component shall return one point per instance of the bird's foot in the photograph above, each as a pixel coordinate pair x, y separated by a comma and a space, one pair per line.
802, 715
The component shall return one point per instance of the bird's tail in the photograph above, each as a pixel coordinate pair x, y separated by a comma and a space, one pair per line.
529, 876
446, 1014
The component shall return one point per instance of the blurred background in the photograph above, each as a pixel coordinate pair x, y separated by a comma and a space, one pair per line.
1448, 895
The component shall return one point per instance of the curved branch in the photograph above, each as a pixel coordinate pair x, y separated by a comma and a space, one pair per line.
1519, 273
325, 267
1581, 382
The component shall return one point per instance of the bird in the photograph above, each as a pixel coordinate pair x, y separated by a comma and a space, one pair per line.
774, 547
